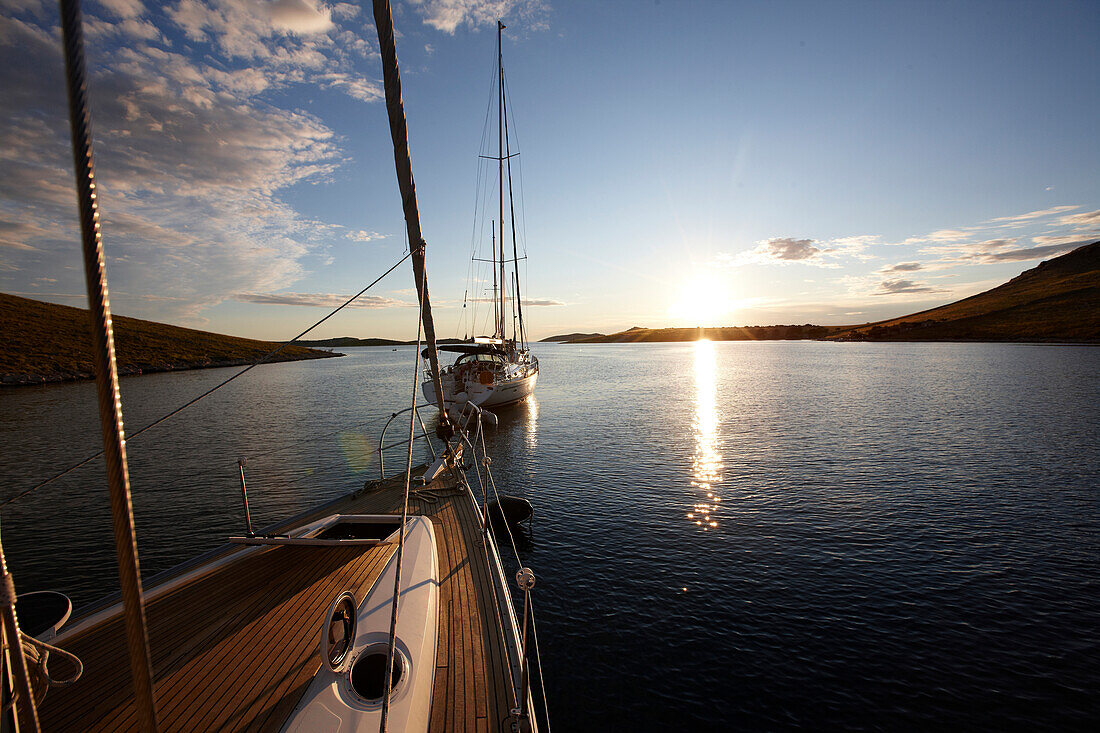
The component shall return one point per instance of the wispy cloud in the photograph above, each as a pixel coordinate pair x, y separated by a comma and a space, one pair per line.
124, 8
901, 286
299, 16
448, 15
1031, 215
781, 251
1084, 220
322, 300
941, 235
992, 251
1029, 253
788, 250
533, 302
362, 235
902, 267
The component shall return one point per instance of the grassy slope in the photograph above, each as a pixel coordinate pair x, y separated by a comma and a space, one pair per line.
54, 342
1059, 300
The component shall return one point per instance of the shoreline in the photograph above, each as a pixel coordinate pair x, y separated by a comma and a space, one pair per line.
1037, 341
29, 379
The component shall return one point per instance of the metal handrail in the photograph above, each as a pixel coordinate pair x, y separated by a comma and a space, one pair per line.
382, 439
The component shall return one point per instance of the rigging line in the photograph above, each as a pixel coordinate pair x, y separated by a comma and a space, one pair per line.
538, 661
472, 270
522, 200
519, 162
296, 443
391, 649
259, 468
518, 304
210, 391
493, 484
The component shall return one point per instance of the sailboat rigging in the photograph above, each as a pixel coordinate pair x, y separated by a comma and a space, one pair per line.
346, 617
495, 370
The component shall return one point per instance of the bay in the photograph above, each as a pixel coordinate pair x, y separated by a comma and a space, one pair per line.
743, 535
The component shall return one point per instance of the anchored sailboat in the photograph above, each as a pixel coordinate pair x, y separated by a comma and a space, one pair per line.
495, 370
385, 609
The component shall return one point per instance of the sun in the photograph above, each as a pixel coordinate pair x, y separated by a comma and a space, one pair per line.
702, 300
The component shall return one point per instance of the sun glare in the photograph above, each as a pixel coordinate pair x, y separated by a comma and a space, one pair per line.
702, 301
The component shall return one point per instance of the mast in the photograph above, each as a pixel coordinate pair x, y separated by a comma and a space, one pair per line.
500, 177
399, 132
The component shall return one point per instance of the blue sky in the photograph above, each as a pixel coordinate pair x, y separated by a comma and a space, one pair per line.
683, 163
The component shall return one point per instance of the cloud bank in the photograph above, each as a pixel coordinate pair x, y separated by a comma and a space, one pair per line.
193, 148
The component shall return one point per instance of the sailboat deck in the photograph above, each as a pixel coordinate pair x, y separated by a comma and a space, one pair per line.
235, 641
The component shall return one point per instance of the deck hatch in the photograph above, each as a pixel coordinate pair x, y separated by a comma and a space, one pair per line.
351, 529
369, 671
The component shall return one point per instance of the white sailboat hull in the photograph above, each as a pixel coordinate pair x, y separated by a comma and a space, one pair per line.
501, 392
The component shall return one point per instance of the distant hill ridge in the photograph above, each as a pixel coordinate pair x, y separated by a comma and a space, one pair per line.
569, 337
724, 333
46, 342
343, 342
1058, 300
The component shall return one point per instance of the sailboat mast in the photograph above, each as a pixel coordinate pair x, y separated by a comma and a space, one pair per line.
399, 134
500, 176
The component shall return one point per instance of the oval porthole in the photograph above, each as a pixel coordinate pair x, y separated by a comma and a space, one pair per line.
338, 634
368, 673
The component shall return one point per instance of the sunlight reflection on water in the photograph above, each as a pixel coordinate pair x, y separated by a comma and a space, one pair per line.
706, 463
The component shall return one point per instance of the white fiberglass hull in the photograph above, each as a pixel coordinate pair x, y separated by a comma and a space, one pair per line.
332, 703
503, 392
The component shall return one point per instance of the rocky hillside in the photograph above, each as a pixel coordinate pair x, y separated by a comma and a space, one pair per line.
1059, 300
45, 342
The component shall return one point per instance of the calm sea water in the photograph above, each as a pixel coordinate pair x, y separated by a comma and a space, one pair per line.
754, 536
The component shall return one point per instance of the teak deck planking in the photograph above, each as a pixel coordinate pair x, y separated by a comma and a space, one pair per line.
236, 646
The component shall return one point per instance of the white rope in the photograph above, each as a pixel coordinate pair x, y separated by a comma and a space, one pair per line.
38, 658
37, 654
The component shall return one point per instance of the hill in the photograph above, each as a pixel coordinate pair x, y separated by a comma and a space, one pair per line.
569, 338
726, 333
343, 342
45, 342
1059, 300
